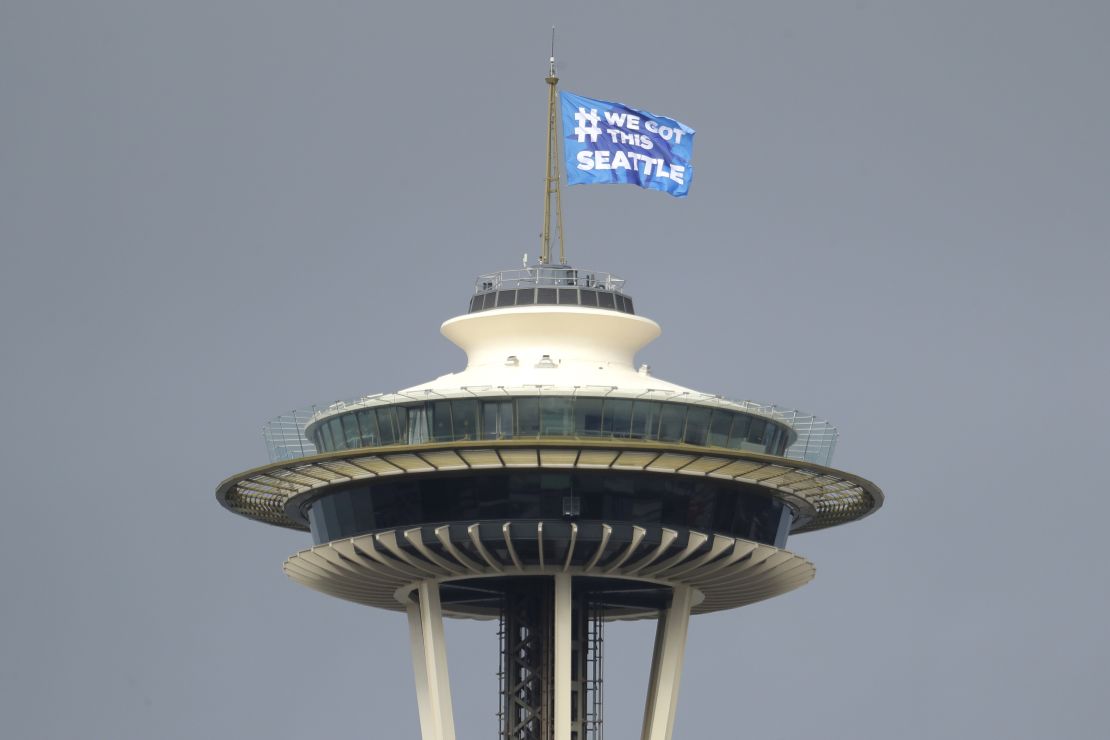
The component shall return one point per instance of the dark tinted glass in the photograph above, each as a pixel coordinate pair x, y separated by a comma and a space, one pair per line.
705, 504
589, 297
568, 297
618, 417
525, 296
368, 427
587, 417
555, 417
387, 425
475, 303
527, 417
718, 427
605, 300
441, 420
628, 305
336, 428
506, 298
464, 415
545, 296
697, 425
489, 420
645, 419
350, 432
756, 431
671, 422
739, 434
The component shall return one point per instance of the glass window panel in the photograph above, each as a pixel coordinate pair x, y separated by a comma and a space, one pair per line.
505, 428
325, 437
587, 417
368, 427
619, 300
464, 413
350, 431
475, 303
525, 296
604, 299
506, 298
419, 430
617, 421
739, 434
545, 296
671, 422
387, 426
697, 425
645, 419
755, 433
628, 305
771, 437
568, 297
337, 434
441, 420
490, 412
589, 297
555, 417
719, 426
401, 417
527, 416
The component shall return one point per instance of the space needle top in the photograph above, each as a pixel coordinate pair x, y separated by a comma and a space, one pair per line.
553, 483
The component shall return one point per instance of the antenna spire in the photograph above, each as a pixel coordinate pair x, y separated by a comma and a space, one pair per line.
553, 178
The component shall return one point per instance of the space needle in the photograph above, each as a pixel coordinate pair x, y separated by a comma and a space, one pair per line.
555, 486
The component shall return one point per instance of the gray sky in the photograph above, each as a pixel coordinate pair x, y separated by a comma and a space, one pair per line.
213, 212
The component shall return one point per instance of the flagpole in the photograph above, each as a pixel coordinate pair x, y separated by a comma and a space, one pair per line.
553, 178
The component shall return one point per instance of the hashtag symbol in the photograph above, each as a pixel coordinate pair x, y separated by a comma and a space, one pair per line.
587, 125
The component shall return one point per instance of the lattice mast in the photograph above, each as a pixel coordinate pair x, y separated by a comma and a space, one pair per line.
553, 197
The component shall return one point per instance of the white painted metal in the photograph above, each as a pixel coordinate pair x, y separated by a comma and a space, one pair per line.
358, 570
820, 496
584, 346
666, 666
563, 650
429, 727
434, 648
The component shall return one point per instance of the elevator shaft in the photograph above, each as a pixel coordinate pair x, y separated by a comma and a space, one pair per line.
528, 663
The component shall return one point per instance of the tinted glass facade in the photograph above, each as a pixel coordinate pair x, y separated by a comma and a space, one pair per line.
704, 504
589, 297
549, 416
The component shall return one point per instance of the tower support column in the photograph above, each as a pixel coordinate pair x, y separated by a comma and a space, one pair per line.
563, 648
666, 666
429, 664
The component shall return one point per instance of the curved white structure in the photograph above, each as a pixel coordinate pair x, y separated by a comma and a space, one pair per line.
555, 485
566, 346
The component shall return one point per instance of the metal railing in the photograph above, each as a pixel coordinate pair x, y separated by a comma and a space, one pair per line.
285, 437
815, 443
548, 276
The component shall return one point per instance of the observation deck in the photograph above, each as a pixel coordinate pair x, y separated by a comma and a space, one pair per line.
550, 387
551, 482
550, 285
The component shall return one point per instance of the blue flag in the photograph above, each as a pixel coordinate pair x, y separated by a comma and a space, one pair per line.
610, 142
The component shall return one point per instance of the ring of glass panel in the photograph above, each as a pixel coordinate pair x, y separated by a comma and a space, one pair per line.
458, 419
742, 510
588, 297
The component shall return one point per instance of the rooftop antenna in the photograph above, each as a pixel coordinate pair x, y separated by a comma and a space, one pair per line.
552, 186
